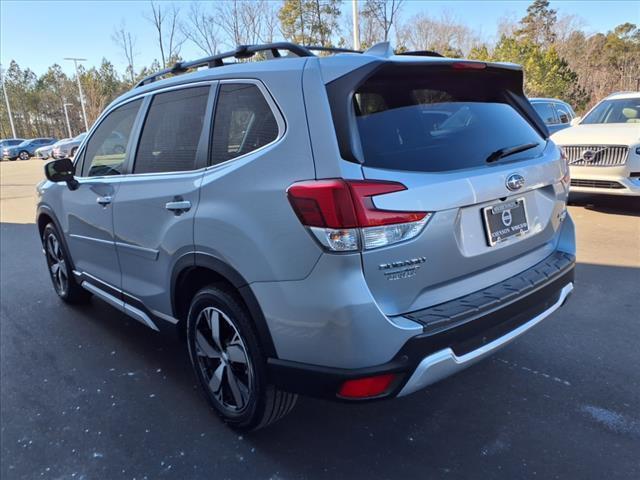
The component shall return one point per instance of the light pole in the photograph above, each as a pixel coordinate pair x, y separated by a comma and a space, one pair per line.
356, 25
66, 116
6, 99
84, 112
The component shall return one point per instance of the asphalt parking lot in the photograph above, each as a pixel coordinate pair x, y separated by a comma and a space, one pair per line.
87, 393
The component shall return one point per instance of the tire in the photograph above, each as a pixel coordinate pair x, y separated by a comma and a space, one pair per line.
232, 369
60, 268
24, 155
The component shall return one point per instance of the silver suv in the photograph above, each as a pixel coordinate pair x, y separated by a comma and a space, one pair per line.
352, 226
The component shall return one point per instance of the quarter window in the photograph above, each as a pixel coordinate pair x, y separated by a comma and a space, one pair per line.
107, 148
172, 130
243, 122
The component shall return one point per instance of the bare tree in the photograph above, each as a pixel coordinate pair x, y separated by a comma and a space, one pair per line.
381, 14
246, 22
507, 25
444, 35
202, 29
270, 23
125, 41
166, 22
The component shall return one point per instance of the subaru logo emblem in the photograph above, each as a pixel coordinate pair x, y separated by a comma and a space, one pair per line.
514, 182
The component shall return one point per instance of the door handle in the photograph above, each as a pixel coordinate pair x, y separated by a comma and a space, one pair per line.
178, 207
104, 200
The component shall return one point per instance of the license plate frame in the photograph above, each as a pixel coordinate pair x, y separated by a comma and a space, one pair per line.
495, 213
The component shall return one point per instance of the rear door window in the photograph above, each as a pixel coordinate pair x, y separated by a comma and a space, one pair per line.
171, 132
438, 122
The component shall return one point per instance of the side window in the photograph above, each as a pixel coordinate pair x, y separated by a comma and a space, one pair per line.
546, 112
171, 131
105, 155
243, 122
563, 115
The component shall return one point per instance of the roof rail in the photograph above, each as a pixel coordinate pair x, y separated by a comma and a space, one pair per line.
421, 53
248, 51
241, 51
319, 48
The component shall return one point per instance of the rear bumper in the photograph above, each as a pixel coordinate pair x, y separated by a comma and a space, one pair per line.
455, 334
444, 363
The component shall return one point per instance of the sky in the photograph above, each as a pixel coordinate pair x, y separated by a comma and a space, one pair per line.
38, 34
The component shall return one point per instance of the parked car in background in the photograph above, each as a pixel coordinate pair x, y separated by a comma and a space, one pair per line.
5, 143
45, 152
26, 149
603, 148
295, 218
555, 113
9, 142
68, 147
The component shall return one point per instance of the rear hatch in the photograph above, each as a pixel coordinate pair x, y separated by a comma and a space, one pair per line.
463, 140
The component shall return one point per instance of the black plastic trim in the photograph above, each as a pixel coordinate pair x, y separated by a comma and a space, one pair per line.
48, 211
325, 382
206, 260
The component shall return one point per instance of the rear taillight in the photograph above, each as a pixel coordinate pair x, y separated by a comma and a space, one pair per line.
342, 216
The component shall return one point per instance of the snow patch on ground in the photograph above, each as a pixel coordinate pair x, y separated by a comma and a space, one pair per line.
614, 421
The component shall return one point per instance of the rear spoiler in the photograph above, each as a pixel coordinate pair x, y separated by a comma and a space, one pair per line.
341, 90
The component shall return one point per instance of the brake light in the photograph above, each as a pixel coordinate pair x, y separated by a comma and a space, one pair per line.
342, 216
468, 66
366, 387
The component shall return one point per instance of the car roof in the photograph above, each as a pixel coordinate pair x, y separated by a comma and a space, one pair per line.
544, 99
623, 95
333, 66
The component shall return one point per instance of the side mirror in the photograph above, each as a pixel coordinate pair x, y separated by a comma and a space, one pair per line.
61, 171
575, 121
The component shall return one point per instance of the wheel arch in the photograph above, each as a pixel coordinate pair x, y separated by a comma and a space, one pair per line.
194, 270
44, 216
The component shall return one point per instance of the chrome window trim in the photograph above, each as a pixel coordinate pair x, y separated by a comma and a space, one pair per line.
275, 110
273, 105
110, 109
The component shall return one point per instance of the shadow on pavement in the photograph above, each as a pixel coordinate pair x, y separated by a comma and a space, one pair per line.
561, 401
607, 203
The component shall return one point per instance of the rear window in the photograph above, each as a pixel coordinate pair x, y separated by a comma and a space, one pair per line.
438, 122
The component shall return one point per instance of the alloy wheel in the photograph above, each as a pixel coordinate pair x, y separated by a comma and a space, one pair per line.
223, 360
24, 156
57, 264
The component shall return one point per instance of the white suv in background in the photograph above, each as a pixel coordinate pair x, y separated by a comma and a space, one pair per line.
603, 148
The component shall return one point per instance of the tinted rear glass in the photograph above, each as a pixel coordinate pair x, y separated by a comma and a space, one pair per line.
438, 122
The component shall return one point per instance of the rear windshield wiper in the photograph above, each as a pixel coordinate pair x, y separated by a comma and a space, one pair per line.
505, 152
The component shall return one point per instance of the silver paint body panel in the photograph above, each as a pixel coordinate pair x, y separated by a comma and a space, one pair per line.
320, 308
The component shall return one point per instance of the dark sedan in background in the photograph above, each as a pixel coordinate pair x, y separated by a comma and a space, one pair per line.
26, 149
555, 113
